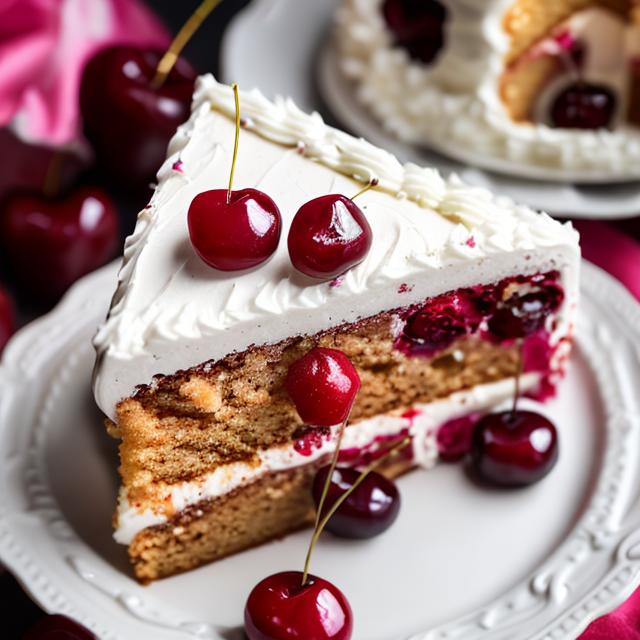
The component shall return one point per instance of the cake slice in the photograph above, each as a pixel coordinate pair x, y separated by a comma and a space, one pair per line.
192, 361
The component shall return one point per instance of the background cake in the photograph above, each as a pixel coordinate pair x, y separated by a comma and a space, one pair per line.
192, 361
542, 82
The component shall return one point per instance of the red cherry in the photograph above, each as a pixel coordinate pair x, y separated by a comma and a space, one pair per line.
323, 385
328, 235
127, 120
7, 318
370, 509
234, 235
583, 106
30, 163
280, 608
514, 449
520, 315
58, 627
417, 25
50, 244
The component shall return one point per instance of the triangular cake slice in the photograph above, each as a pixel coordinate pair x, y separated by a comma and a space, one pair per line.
191, 361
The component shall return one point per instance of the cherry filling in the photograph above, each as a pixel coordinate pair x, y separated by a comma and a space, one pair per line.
522, 312
308, 439
417, 26
516, 307
455, 436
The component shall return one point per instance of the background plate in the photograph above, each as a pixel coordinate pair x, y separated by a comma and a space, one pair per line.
301, 66
461, 560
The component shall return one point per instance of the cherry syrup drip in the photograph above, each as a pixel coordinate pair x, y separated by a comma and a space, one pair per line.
309, 439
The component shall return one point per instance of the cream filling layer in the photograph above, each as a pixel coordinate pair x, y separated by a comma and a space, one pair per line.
422, 425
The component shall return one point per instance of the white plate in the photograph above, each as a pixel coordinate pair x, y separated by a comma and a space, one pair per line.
461, 560
280, 47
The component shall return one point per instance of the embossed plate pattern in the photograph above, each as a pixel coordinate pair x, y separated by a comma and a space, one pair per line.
461, 562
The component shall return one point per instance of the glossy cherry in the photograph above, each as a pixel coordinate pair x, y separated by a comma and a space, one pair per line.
234, 235
323, 385
49, 244
583, 106
7, 318
520, 315
280, 608
417, 26
58, 627
371, 509
514, 449
128, 121
328, 236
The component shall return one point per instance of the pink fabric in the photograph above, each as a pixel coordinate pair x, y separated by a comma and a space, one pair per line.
619, 254
44, 45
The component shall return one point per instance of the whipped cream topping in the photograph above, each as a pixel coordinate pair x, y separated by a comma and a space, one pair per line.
454, 102
422, 425
430, 235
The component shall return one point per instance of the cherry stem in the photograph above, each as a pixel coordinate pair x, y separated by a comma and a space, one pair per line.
51, 185
169, 59
321, 524
234, 86
516, 394
372, 183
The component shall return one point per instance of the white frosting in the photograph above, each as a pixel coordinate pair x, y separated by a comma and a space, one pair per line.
454, 101
422, 427
172, 312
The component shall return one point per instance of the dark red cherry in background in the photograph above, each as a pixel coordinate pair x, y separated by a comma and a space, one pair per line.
128, 121
521, 315
371, 509
236, 235
280, 608
583, 106
417, 26
49, 244
323, 385
7, 318
514, 449
328, 235
58, 627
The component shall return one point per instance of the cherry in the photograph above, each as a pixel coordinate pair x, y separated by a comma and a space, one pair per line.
7, 318
280, 608
520, 315
328, 235
30, 164
129, 121
417, 25
50, 244
583, 106
236, 234
58, 627
514, 448
371, 509
434, 330
323, 385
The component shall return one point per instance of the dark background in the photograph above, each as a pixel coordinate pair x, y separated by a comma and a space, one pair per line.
203, 52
